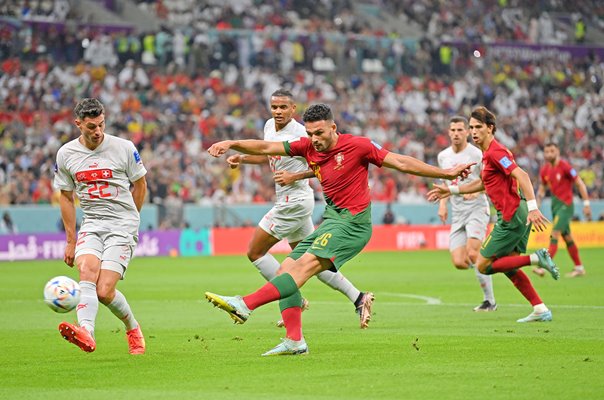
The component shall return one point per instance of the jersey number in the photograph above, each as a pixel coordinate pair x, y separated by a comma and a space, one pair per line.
322, 240
96, 190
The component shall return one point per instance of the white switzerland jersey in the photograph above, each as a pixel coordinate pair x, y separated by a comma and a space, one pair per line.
449, 159
298, 189
101, 179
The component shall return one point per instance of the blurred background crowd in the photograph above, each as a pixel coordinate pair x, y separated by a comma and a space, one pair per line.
395, 71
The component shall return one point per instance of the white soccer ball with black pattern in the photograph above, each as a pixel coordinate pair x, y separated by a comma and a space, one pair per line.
62, 294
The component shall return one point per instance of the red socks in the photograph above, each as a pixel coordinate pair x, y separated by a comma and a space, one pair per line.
292, 317
264, 295
524, 286
574, 253
553, 248
505, 264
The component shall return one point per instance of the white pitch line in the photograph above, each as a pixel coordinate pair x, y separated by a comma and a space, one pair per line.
434, 301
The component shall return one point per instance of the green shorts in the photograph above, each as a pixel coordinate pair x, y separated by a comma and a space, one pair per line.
335, 239
563, 214
508, 237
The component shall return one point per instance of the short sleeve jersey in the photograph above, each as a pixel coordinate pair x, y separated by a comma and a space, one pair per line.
450, 159
497, 166
559, 179
343, 170
299, 189
101, 179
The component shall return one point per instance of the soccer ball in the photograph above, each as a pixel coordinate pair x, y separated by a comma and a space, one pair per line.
62, 294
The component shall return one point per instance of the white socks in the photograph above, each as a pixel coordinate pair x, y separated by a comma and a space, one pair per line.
268, 267
337, 281
540, 308
486, 284
121, 309
88, 306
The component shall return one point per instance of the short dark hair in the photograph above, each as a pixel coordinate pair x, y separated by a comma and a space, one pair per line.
458, 118
88, 107
317, 112
551, 144
483, 115
282, 93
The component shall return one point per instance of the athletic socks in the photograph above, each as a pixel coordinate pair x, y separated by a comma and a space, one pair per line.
279, 287
573, 251
88, 306
339, 282
121, 309
267, 265
292, 318
553, 247
486, 284
509, 263
524, 286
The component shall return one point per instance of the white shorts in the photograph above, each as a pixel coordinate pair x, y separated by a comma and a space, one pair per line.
473, 225
114, 249
291, 220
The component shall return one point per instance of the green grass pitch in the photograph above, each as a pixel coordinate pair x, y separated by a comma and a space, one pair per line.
424, 341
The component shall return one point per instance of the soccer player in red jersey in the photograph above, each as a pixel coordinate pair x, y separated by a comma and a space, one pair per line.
340, 162
501, 178
558, 176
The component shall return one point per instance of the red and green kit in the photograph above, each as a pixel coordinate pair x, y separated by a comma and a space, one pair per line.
343, 173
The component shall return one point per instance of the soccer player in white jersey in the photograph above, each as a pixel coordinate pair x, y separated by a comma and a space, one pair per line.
470, 212
291, 216
100, 168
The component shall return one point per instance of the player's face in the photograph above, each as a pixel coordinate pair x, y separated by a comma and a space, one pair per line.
322, 134
92, 130
482, 134
458, 133
551, 153
282, 109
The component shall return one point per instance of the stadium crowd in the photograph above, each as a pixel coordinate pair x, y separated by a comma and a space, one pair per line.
175, 92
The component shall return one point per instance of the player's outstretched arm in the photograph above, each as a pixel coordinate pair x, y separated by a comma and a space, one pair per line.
251, 146
534, 216
287, 178
68, 215
236, 160
441, 191
414, 166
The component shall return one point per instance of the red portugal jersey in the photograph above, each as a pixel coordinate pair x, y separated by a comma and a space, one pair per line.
343, 170
559, 179
497, 165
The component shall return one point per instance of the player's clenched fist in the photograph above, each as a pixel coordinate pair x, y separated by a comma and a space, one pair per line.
218, 149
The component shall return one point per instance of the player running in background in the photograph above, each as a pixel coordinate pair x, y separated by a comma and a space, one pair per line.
558, 176
501, 177
291, 216
470, 212
100, 168
340, 162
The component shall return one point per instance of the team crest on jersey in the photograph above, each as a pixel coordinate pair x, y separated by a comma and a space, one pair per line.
339, 159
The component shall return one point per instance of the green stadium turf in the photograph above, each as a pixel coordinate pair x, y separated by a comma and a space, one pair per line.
424, 341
